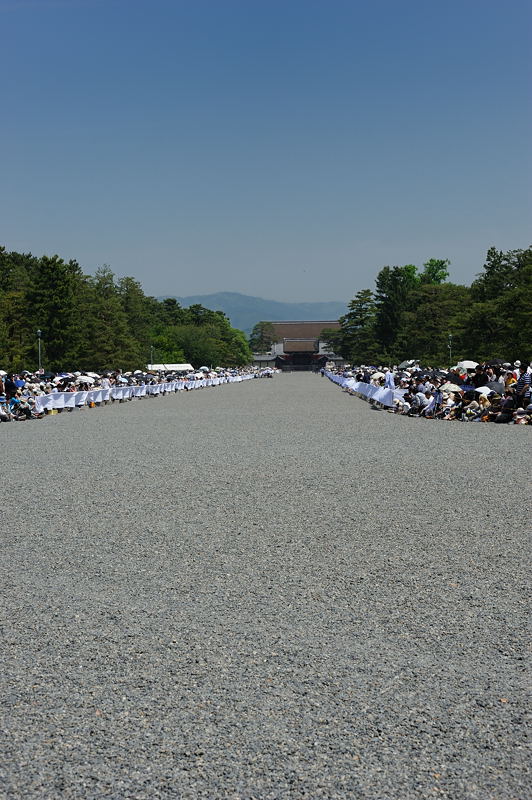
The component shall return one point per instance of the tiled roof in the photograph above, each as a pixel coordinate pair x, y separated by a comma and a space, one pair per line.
303, 329
300, 345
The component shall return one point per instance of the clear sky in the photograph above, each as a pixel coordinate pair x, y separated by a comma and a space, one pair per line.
282, 148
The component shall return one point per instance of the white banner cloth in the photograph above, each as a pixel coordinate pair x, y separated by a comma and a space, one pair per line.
60, 400
380, 394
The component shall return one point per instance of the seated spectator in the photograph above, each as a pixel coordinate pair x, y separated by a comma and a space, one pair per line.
5, 414
428, 408
407, 403
509, 379
506, 413
457, 407
471, 408
494, 408
421, 401
446, 405
484, 405
522, 417
19, 409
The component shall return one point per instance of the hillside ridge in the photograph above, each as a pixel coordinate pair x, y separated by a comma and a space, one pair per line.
245, 311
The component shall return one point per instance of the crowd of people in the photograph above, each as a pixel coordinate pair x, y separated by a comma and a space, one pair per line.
495, 391
19, 392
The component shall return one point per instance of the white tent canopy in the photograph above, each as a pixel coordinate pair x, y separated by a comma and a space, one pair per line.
170, 367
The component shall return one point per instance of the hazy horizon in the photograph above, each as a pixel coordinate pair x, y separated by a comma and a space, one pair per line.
286, 150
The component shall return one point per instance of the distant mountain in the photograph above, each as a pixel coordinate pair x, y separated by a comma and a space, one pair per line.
245, 311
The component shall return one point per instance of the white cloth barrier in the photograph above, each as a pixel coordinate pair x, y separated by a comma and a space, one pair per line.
61, 400
380, 394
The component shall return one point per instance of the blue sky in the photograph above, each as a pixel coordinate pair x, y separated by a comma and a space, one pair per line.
285, 149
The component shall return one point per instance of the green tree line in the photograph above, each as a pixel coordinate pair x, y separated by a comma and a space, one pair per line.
420, 314
102, 322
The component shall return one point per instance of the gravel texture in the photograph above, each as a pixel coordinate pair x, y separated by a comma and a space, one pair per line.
263, 590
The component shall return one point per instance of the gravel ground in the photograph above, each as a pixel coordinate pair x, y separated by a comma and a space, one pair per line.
264, 590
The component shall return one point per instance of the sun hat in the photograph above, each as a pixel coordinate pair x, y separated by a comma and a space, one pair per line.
520, 412
517, 363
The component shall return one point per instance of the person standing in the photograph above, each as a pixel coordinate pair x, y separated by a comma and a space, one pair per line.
10, 387
479, 378
522, 387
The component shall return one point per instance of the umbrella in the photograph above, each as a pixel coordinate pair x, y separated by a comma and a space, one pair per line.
450, 387
206, 369
496, 386
84, 379
92, 374
405, 364
3, 373
467, 364
378, 375
484, 390
453, 377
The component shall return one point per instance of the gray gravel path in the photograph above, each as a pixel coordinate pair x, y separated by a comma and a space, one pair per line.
264, 590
